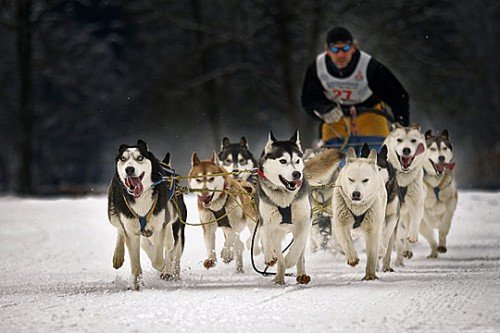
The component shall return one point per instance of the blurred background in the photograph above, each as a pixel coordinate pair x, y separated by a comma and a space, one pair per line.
79, 78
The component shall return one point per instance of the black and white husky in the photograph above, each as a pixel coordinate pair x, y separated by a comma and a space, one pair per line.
284, 205
440, 191
237, 156
141, 207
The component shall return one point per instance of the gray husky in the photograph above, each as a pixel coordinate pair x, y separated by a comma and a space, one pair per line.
283, 205
141, 208
440, 191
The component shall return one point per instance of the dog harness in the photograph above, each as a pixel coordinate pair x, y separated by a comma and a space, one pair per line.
167, 174
358, 220
143, 220
402, 193
221, 217
286, 214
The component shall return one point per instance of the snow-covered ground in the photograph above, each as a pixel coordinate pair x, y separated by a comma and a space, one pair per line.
57, 275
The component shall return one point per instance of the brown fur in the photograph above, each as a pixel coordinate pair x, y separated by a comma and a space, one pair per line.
322, 165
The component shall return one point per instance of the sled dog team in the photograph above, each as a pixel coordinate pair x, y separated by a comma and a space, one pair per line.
389, 197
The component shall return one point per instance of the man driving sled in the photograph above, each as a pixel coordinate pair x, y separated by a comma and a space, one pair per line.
350, 92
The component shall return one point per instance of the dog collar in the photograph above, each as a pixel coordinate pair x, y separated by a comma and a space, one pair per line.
260, 172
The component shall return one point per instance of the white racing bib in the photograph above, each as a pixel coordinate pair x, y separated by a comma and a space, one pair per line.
350, 90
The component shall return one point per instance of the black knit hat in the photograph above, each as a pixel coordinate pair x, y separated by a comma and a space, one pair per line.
338, 35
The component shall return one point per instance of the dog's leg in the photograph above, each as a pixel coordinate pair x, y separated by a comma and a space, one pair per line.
387, 232
119, 255
251, 224
445, 225
372, 238
428, 234
386, 267
227, 252
344, 237
302, 276
281, 267
238, 253
267, 244
209, 231
416, 216
134, 247
315, 233
400, 243
300, 234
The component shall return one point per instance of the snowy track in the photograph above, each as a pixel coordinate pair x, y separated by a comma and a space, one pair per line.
57, 275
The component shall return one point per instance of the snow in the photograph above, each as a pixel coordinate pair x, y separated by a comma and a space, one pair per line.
57, 275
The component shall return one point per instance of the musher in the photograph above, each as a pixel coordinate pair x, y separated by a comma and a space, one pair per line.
351, 93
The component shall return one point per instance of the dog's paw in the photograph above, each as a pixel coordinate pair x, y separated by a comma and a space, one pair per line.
227, 255
353, 261
441, 249
279, 280
209, 263
387, 269
166, 276
271, 262
146, 233
412, 237
370, 276
433, 255
408, 254
303, 279
118, 261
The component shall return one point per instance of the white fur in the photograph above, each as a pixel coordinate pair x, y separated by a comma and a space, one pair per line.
360, 175
412, 208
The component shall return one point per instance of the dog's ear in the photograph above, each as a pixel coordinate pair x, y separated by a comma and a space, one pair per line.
142, 145
243, 142
351, 155
166, 159
269, 144
382, 155
445, 134
396, 125
372, 157
122, 148
415, 126
365, 150
225, 143
428, 134
214, 158
296, 140
195, 160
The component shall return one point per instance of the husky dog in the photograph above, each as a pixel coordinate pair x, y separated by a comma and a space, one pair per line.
321, 171
224, 203
440, 191
406, 153
388, 174
359, 200
140, 206
237, 156
284, 205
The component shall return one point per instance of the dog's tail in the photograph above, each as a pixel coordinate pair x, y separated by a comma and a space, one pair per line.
325, 162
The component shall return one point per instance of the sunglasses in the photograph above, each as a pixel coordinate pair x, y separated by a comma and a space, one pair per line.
336, 49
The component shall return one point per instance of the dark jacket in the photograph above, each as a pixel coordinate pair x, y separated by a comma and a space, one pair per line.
384, 85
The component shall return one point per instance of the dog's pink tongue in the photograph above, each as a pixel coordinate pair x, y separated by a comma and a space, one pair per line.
136, 184
298, 183
406, 161
440, 167
205, 198
420, 149
449, 166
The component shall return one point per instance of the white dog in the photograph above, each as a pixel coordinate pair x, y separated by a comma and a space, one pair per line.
406, 153
359, 200
440, 191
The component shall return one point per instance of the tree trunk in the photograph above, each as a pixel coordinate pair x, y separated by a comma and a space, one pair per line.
25, 58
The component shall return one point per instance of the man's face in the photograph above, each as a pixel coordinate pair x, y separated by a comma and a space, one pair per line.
340, 53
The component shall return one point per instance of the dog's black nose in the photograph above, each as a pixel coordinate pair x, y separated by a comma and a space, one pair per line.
441, 159
130, 171
356, 195
406, 151
296, 174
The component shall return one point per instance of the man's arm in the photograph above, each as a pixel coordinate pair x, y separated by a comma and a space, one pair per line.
388, 88
313, 96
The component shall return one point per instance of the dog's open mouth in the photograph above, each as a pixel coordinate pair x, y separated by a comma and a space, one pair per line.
206, 198
134, 185
406, 161
440, 168
291, 185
